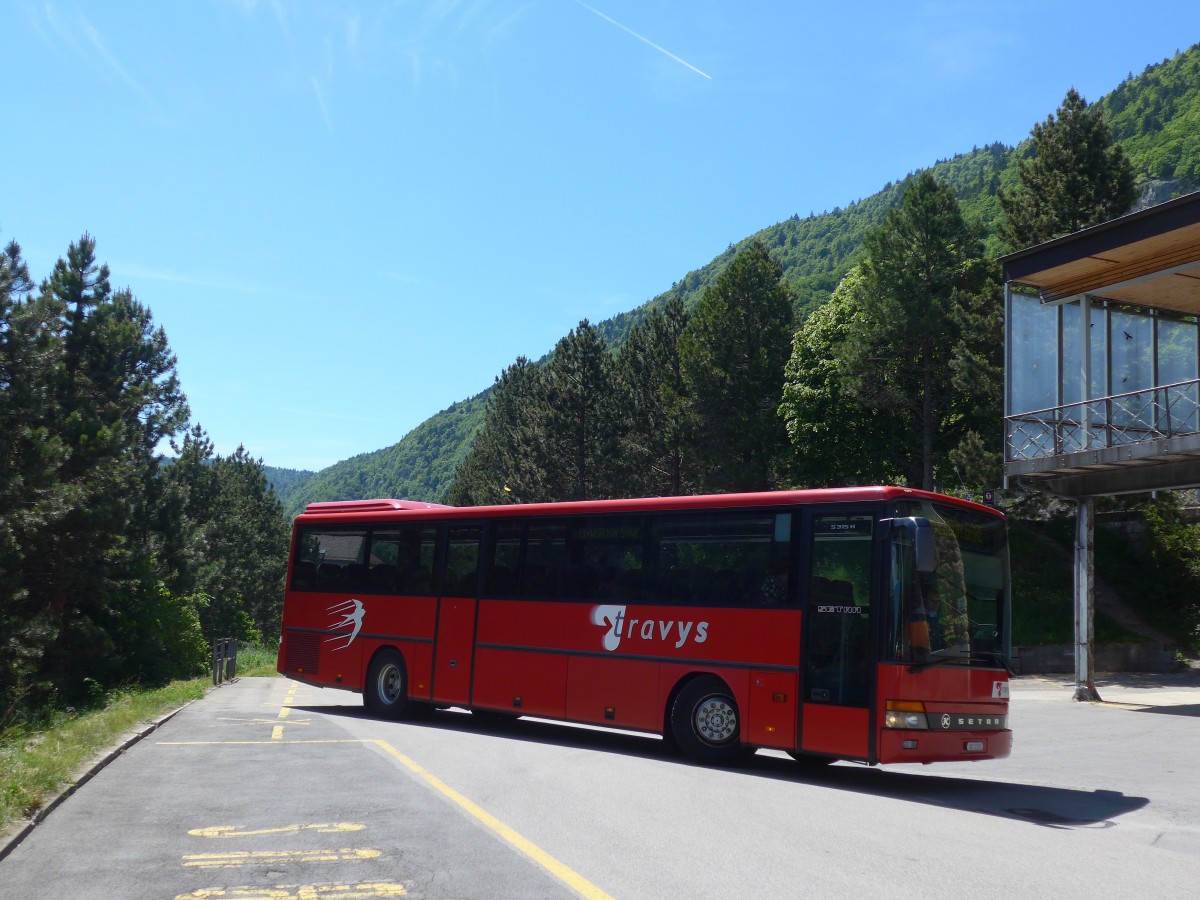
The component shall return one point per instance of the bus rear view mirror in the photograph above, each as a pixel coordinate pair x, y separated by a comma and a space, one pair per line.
919, 534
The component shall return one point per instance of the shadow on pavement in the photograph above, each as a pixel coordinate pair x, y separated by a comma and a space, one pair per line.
1049, 807
1192, 710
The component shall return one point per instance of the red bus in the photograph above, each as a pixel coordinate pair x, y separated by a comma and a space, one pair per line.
867, 624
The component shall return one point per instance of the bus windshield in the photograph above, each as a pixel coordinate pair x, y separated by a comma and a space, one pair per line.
959, 613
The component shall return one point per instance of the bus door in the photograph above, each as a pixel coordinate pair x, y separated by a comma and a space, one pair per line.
838, 662
457, 608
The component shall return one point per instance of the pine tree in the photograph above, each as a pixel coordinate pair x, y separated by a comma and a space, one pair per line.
1076, 177
245, 538
109, 394
30, 452
499, 468
656, 457
579, 420
733, 354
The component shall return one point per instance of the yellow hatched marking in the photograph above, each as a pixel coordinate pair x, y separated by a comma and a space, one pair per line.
249, 858
363, 891
224, 831
513, 838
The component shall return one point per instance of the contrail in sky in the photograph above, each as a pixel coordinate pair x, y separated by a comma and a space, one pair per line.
682, 62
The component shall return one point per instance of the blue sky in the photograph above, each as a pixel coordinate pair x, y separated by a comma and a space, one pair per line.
349, 215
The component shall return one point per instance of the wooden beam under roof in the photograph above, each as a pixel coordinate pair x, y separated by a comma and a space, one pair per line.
1149, 258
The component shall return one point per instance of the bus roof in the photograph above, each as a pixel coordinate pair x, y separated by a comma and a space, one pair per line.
380, 510
361, 506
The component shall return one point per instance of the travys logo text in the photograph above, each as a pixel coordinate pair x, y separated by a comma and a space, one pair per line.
673, 631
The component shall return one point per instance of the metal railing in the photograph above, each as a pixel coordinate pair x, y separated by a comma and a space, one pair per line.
224, 660
1149, 414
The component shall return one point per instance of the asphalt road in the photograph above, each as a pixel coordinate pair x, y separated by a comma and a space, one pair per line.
269, 789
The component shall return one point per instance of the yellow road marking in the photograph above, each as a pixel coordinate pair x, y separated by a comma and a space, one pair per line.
249, 858
361, 891
224, 831
284, 712
513, 838
524, 845
252, 743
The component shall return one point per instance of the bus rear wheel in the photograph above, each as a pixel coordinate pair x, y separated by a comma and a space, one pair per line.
705, 721
386, 691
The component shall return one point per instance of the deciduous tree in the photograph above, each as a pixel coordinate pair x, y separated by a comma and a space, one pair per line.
921, 349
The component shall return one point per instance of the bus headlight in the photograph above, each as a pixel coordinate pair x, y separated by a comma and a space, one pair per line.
907, 714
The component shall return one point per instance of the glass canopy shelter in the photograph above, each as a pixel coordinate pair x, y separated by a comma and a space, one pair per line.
1102, 372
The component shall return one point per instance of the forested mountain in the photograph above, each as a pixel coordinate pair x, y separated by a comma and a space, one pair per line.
420, 466
1155, 118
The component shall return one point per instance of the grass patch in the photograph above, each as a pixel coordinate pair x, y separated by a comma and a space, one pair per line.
255, 660
39, 758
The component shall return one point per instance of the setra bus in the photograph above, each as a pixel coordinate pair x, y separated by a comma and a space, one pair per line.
868, 624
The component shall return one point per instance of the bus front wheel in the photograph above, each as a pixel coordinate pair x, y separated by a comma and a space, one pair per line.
705, 722
386, 691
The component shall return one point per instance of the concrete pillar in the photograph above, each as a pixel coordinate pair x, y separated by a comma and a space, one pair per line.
1085, 599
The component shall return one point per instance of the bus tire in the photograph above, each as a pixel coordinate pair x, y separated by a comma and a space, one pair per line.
386, 692
705, 722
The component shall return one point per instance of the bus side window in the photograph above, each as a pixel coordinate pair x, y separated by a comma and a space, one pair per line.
304, 578
727, 557
504, 557
462, 561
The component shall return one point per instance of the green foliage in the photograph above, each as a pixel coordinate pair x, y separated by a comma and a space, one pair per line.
287, 483
1071, 177
1043, 592
732, 355
257, 661
837, 439
497, 468
169, 642
231, 538
420, 467
105, 553
1155, 118
40, 754
903, 366
550, 432
657, 455
1158, 570
578, 420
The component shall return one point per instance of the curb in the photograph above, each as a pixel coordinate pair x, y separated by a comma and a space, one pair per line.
10, 842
